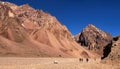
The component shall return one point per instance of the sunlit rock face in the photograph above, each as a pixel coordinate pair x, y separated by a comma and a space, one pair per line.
93, 39
25, 31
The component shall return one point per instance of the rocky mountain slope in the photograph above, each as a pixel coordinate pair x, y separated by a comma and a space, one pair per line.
25, 32
112, 52
93, 39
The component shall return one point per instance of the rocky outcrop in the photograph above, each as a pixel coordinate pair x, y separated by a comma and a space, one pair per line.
10, 26
94, 39
113, 56
25, 31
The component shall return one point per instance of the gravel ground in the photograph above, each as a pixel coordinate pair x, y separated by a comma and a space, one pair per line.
52, 63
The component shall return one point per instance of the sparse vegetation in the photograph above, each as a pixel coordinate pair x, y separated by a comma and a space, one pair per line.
52, 63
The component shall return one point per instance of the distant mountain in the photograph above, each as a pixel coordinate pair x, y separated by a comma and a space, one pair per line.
93, 39
27, 32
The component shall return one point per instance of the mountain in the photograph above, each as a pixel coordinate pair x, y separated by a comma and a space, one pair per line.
26, 32
112, 52
93, 39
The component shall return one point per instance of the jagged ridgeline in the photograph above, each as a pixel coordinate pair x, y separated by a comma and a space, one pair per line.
25, 32
93, 39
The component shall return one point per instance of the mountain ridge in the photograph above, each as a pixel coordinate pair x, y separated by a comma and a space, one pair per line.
34, 33
93, 39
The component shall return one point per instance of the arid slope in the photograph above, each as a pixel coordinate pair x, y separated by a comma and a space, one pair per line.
25, 32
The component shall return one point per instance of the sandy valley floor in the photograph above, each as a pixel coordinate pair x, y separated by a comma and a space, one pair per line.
48, 63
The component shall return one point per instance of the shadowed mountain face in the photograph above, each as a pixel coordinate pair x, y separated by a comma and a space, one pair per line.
93, 39
113, 57
25, 32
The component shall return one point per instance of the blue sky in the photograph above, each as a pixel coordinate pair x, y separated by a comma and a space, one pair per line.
76, 14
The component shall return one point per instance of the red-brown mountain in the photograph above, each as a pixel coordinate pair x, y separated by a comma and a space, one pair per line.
25, 32
93, 39
112, 52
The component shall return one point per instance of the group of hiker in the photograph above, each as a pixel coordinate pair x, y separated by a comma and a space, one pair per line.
81, 59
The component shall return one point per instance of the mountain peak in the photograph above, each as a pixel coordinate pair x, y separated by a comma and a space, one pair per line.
91, 27
25, 5
94, 39
30, 32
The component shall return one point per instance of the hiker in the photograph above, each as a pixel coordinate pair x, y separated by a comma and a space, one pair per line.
87, 59
80, 59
